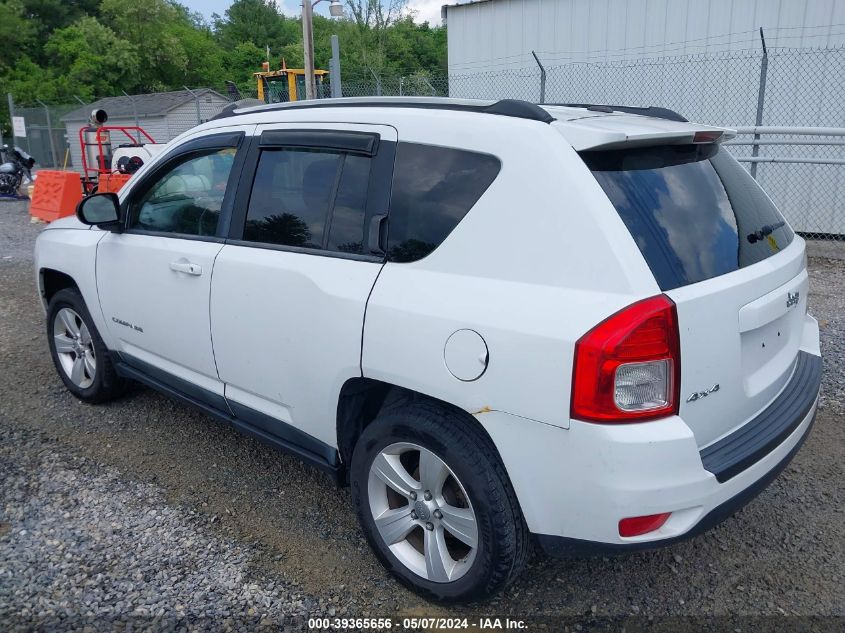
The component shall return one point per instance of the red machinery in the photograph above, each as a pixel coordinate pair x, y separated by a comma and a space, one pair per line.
56, 193
96, 144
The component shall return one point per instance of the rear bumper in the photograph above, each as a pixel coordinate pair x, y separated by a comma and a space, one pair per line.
563, 546
758, 437
575, 485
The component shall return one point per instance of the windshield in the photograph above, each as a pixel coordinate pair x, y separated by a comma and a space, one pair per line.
693, 211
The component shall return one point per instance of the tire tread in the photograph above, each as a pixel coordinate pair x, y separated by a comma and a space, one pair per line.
465, 434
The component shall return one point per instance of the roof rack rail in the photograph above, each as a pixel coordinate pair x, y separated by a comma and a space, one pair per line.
520, 109
652, 111
504, 107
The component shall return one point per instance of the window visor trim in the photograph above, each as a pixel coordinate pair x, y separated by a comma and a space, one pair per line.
363, 143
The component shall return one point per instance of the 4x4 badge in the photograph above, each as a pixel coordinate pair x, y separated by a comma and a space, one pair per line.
792, 299
698, 395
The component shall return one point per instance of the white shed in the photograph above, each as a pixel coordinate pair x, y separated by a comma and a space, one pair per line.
164, 115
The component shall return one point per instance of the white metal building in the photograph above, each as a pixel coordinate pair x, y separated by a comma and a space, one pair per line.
703, 58
490, 35
164, 115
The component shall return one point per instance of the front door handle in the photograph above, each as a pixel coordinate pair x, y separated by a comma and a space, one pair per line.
182, 266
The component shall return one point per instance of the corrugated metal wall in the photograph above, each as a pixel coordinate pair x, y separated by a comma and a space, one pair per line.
702, 58
500, 34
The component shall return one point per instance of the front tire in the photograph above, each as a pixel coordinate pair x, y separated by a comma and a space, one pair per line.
436, 505
78, 352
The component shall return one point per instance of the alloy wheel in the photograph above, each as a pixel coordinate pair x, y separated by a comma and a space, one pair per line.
422, 512
74, 348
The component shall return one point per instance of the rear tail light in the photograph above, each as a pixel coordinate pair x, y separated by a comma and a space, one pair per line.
635, 526
628, 367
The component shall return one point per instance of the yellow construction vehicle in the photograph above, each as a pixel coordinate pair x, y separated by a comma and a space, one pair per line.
285, 84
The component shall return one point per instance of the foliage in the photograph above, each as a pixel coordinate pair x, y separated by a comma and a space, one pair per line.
372, 19
16, 33
57, 50
91, 59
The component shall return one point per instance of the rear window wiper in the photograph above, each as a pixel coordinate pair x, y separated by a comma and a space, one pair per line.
765, 231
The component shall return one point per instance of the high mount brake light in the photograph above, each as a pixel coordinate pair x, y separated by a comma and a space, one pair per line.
628, 367
707, 137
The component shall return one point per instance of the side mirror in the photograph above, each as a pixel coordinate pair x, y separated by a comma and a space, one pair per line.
101, 210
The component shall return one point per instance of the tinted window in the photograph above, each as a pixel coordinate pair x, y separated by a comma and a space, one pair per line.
433, 189
693, 211
188, 197
308, 198
347, 229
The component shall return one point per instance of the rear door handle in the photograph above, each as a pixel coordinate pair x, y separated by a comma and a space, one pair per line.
182, 266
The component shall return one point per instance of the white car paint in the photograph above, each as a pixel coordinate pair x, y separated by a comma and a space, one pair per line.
540, 259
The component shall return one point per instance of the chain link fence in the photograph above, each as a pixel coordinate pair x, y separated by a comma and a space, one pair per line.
45, 138
804, 174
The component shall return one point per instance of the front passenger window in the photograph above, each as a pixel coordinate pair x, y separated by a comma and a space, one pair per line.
187, 198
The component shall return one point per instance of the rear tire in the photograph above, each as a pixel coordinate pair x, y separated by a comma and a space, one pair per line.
78, 352
448, 526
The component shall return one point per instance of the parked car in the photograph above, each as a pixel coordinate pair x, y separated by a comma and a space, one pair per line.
500, 323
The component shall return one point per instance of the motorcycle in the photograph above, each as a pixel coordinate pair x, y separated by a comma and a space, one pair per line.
15, 171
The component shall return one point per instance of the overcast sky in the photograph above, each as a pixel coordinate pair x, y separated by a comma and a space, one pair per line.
426, 9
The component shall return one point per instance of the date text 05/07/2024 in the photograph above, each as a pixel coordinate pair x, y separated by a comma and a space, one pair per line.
418, 624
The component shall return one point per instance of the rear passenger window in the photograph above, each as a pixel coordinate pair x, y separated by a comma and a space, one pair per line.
346, 233
433, 189
309, 199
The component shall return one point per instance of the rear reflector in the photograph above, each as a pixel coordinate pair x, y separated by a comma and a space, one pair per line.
635, 526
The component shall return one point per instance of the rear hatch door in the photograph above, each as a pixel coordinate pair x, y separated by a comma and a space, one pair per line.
721, 251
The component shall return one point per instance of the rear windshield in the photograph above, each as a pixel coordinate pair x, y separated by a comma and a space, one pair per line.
693, 211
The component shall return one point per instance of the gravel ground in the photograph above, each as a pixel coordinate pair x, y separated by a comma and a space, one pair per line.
145, 504
81, 543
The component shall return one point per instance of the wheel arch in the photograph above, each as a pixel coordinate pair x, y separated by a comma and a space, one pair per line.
361, 400
50, 281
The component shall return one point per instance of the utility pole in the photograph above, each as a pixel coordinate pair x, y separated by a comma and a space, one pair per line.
336, 11
308, 48
334, 68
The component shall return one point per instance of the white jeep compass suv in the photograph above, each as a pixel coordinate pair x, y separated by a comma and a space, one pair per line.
500, 323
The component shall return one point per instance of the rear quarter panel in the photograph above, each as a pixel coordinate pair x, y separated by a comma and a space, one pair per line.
541, 258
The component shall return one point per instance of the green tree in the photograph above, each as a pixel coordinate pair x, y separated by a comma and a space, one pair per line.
45, 16
373, 19
173, 49
414, 46
204, 55
17, 33
91, 60
239, 63
55, 49
27, 82
258, 22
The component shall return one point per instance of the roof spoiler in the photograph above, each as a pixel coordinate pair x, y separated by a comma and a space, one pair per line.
605, 133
